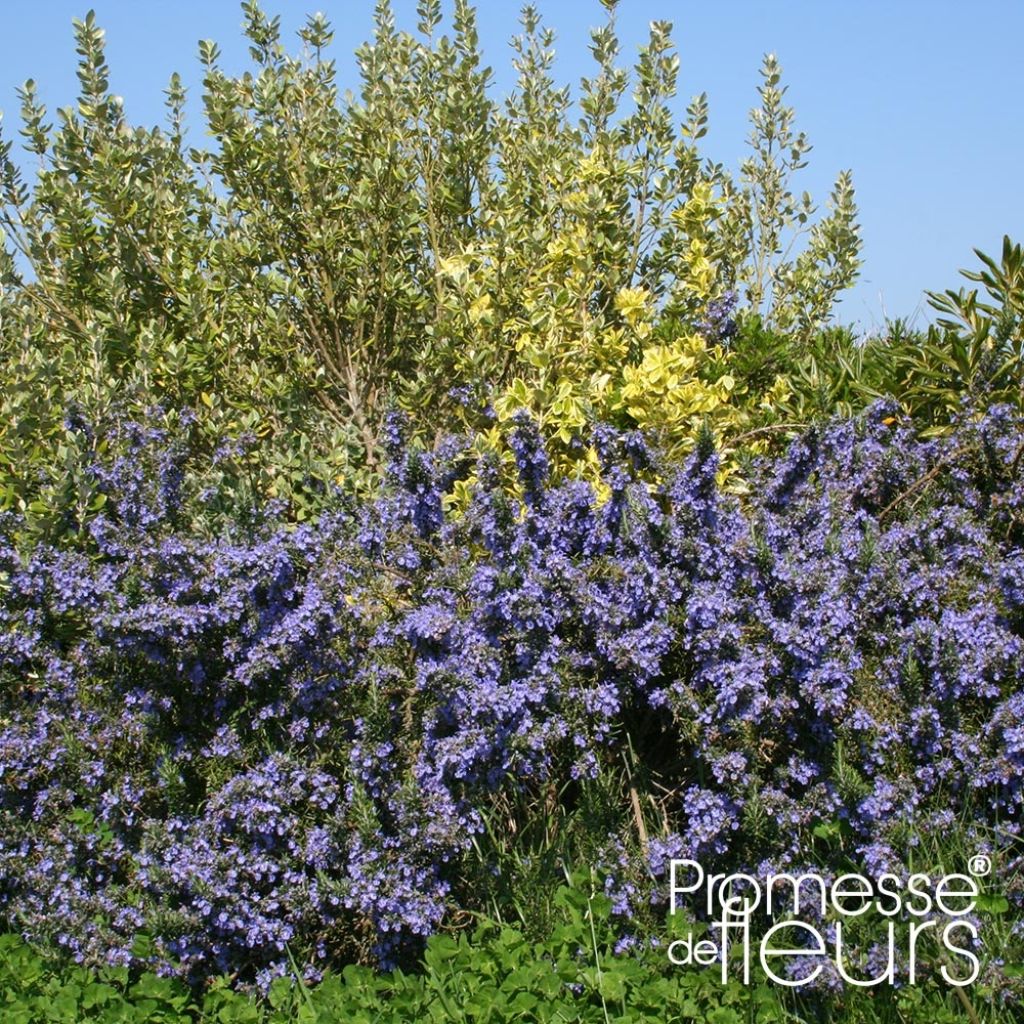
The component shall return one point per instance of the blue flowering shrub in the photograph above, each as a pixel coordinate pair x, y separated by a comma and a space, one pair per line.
287, 747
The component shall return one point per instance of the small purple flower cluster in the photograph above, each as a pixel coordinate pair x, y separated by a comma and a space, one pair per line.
719, 323
281, 741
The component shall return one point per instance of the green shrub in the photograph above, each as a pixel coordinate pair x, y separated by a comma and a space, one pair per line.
973, 356
331, 256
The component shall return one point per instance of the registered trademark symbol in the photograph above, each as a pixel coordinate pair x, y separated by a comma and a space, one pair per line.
980, 865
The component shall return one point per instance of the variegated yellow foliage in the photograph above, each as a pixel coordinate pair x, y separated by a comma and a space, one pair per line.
665, 388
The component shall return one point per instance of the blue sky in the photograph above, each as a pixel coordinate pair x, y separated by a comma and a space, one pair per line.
921, 98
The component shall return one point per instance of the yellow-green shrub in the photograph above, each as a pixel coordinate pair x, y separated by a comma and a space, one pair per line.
331, 256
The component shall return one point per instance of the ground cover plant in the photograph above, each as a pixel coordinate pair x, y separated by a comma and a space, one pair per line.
493, 974
412, 540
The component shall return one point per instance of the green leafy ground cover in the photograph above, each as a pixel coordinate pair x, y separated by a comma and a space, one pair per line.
493, 974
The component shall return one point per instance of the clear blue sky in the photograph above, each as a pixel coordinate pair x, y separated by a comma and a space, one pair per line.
921, 98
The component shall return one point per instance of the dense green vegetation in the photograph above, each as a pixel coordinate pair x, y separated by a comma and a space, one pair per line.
327, 258
490, 974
